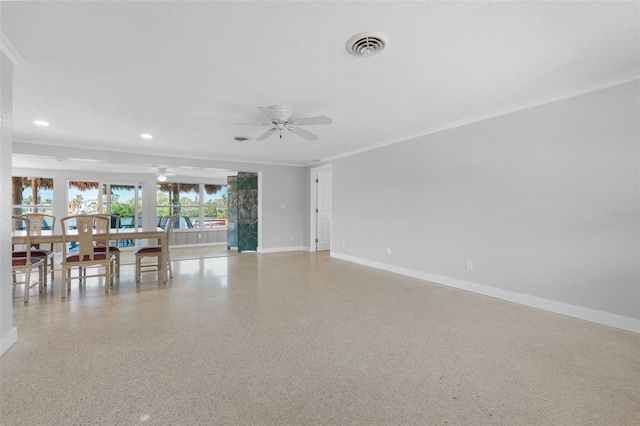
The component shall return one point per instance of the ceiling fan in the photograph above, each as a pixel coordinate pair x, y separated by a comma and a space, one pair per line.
162, 174
282, 118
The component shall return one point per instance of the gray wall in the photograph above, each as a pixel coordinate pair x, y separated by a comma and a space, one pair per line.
282, 227
525, 196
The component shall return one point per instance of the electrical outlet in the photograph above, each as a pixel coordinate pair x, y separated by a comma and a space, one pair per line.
199, 236
389, 251
293, 237
344, 243
470, 264
283, 206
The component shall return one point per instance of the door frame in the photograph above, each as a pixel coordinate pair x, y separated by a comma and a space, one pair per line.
313, 198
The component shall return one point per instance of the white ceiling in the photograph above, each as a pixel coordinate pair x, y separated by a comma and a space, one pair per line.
102, 73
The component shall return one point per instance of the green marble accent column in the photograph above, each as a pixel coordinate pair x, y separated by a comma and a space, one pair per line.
232, 212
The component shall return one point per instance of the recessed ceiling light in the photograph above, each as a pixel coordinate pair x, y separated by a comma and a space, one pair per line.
41, 123
146, 136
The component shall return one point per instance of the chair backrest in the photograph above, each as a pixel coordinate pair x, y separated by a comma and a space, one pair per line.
187, 221
23, 226
40, 222
102, 227
127, 221
87, 226
163, 222
114, 220
170, 224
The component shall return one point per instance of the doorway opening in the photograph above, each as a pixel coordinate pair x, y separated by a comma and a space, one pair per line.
321, 204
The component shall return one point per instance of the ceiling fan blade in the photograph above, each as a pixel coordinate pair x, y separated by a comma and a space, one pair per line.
301, 132
270, 113
312, 120
266, 134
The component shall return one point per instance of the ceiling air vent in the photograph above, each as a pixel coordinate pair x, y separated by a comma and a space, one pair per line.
367, 44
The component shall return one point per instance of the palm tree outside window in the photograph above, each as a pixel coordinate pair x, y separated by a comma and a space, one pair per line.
32, 194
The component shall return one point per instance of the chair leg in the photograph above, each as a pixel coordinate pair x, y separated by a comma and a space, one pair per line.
138, 269
118, 265
27, 281
49, 268
107, 277
65, 282
41, 269
45, 266
169, 266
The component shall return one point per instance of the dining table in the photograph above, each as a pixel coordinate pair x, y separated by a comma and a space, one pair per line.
118, 234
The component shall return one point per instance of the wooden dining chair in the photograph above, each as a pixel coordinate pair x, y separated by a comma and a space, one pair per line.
155, 251
85, 255
40, 222
100, 244
26, 263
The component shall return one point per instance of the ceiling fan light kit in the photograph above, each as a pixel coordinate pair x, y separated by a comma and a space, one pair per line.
162, 177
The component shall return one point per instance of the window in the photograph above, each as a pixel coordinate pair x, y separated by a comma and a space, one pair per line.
178, 198
32, 194
126, 202
215, 206
186, 200
83, 197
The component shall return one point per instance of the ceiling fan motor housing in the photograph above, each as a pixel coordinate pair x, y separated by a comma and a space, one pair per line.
283, 112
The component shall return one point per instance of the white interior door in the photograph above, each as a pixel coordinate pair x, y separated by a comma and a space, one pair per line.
323, 209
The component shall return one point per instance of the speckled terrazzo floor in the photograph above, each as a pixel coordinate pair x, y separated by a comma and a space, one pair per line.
304, 339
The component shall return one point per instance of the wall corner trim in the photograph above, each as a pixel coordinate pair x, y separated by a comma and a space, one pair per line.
9, 50
7, 341
532, 103
579, 312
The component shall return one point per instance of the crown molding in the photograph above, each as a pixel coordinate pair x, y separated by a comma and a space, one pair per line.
9, 50
604, 84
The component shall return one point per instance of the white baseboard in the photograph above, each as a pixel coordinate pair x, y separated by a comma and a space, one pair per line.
7, 341
280, 249
196, 245
587, 314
